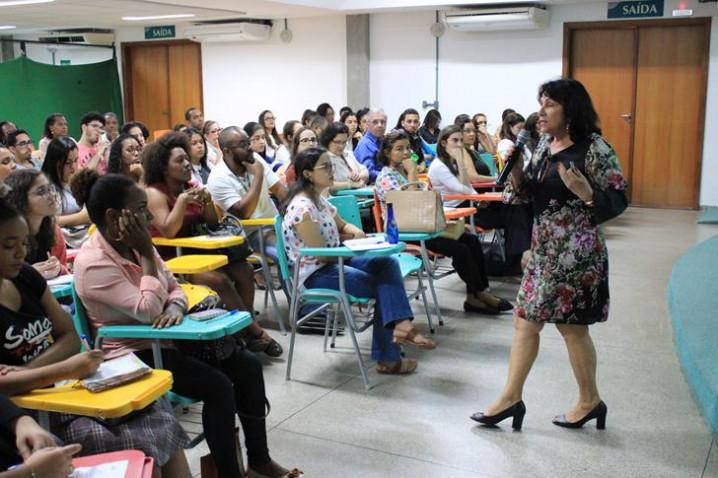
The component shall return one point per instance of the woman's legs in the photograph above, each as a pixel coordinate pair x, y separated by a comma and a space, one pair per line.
582, 355
200, 381
524, 349
378, 278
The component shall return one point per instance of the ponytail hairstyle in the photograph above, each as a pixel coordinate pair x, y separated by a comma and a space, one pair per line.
390, 139
49, 121
100, 193
441, 152
19, 184
304, 161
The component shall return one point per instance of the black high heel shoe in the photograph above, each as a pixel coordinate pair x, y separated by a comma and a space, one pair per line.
517, 411
599, 412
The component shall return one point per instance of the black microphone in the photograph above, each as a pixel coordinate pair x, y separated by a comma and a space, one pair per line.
521, 140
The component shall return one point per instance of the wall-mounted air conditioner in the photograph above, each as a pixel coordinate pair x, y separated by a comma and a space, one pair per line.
78, 36
523, 17
229, 32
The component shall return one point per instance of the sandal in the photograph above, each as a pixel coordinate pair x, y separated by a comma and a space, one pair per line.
293, 473
401, 367
413, 338
265, 343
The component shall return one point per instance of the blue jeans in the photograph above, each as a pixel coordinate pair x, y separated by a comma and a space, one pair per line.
376, 278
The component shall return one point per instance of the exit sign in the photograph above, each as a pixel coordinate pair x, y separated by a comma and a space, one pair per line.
160, 31
635, 9
65, 62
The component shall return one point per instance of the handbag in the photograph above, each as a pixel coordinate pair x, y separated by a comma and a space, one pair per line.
229, 226
419, 210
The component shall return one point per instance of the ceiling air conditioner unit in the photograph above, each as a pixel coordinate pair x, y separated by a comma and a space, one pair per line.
523, 17
80, 36
232, 32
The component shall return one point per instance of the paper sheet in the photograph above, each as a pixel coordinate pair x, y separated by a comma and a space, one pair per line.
60, 280
370, 242
116, 367
114, 469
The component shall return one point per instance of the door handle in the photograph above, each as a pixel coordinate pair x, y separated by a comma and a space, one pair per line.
627, 116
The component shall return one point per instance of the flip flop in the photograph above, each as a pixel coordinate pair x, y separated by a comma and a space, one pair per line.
401, 367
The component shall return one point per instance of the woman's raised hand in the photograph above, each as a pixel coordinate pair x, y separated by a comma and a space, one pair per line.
575, 181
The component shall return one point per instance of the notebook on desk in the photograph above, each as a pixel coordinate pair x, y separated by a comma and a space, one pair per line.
367, 243
114, 372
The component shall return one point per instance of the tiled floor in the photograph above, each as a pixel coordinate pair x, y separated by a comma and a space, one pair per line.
417, 426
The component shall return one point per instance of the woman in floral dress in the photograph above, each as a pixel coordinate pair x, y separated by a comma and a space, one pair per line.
575, 183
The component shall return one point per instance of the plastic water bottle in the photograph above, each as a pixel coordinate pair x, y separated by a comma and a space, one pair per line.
392, 231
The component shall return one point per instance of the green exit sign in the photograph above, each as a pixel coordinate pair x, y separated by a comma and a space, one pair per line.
65, 62
635, 9
160, 31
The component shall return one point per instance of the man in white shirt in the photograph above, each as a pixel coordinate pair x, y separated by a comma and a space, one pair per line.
241, 185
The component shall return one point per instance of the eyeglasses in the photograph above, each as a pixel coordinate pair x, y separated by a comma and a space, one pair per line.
269, 118
22, 144
45, 191
215, 130
242, 144
308, 140
339, 142
481, 122
328, 166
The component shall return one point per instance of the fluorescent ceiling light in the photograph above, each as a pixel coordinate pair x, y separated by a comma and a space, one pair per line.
7, 27
12, 3
159, 17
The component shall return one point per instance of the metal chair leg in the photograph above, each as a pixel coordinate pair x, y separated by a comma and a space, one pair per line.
430, 278
422, 290
351, 326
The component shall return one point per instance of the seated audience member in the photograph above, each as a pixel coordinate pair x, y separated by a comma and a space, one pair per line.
367, 150
429, 130
121, 279
484, 142
179, 209
476, 170
194, 118
303, 139
7, 163
59, 167
210, 131
466, 253
445, 174
20, 146
125, 158
326, 111
531, 126
242, 184
112, 126
55, 125
307, 117
348, 172
362, 120
197, 157
513, 124
32, 195
28, 448
138, 130
343, 110
409, 123
40, 347
268, 122
283, 156
258, 143
92, 148
349, 118
318, 124
311, 221
6, 127
504, 114
448, 177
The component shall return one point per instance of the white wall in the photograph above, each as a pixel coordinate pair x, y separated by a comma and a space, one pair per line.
491, 71
241, 80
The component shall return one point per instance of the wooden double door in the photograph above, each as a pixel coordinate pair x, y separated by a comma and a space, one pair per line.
161, 80
648, 82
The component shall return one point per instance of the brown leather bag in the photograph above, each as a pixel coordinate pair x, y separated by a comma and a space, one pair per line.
419, 210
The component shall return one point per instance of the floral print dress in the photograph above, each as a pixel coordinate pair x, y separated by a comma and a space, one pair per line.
566, 278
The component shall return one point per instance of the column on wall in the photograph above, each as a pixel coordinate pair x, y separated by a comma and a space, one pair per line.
358, 56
